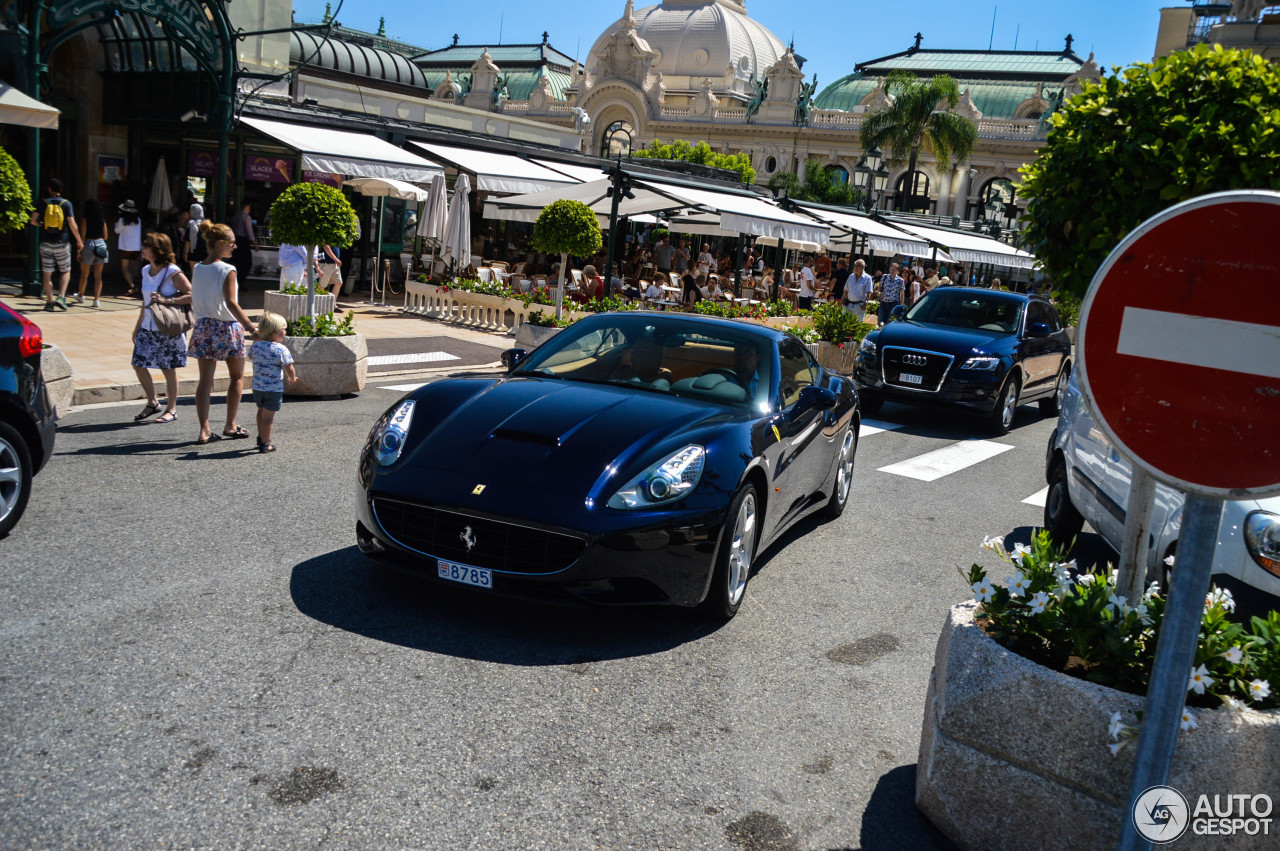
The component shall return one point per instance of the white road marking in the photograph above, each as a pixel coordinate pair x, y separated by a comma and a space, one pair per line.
1201, 341
422, 357
950, 459
1038, 498
877, 426
402, 388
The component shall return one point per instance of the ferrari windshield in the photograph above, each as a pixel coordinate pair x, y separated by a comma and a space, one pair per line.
654, 353
968, 308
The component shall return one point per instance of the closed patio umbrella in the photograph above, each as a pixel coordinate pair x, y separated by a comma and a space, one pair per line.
161, 199
457, 229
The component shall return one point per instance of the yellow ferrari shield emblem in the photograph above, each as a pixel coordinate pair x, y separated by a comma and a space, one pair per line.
477, 490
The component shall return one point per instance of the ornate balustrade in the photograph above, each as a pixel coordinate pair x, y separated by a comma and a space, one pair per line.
473, 310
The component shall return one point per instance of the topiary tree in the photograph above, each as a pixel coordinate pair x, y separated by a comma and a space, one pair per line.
15, 195
1142, 140
566, 227
313, 214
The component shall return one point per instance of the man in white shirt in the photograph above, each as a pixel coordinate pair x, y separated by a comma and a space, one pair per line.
705, 261
653, 293
857, 290
805, 300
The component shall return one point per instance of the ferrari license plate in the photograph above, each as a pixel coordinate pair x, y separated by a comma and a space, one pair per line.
910, 378
465, 574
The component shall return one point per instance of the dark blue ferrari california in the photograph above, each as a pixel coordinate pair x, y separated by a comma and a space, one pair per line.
634, 458
977, 350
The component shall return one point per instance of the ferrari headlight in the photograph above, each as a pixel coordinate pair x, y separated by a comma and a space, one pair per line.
1262, 538
388, 437
981, 364
662, 483
868, 347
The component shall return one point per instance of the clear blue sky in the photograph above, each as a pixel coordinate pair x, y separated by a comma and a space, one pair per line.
1119, 32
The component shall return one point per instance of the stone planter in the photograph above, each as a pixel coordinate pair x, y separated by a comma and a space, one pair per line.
1013, 755
529, 337
839, 360
328, 366
56, 370
293, 306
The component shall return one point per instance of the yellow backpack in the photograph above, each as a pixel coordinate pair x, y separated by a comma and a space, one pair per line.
54, 217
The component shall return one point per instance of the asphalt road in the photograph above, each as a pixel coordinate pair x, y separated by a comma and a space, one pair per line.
194, 654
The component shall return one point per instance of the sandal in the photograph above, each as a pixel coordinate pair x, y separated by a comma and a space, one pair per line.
149, 411
238, 434
266, 447
201, 441
166, 417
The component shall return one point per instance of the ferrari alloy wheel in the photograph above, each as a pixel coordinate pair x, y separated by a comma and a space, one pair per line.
15, 477
844, 475
737, 553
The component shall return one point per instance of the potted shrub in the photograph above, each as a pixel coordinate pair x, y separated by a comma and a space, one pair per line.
330, 357
566, 227
1036, 697
839, 335
313, 214
15, 195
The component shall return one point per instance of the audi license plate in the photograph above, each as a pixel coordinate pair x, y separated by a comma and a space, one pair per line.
465, 574
910, 378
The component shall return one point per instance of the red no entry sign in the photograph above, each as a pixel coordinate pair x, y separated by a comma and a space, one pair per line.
1179, 345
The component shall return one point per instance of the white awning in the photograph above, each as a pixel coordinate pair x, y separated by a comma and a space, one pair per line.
732, 213
885, 239
974, 247
346, 153
17, 108
789, 244
496, 172
580, 173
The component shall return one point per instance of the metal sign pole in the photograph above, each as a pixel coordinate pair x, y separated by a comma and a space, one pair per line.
1175, 654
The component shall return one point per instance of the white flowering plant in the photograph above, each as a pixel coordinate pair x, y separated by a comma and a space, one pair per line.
1077, 623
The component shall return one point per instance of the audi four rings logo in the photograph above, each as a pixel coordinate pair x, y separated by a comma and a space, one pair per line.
915, 360
468, 538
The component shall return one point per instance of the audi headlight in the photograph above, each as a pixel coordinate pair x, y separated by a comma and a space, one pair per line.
981, 364
664, 482
389, 435
868, 347
1262, 538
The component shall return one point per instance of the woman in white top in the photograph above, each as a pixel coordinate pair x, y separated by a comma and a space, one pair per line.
220, 327
129, 244
162, 282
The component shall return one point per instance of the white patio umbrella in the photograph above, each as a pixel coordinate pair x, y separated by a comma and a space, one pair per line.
457, 228
432, 217
384, 188
161, 199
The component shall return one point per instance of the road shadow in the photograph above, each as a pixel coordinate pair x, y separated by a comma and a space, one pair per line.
1091, 550
346, 590
891, 820
945, 424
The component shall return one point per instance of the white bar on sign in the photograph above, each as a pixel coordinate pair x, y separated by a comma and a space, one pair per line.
869, 427
1201, 341
950, 459
1039, 498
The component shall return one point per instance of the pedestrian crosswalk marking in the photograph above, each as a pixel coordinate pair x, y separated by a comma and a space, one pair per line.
869, 427
950, 459
421, 357
1038, 498
402, 388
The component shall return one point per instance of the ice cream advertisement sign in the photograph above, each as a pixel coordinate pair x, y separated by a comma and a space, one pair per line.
269, 169
309, 176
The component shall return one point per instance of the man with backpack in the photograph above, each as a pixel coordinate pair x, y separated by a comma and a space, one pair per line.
56, 220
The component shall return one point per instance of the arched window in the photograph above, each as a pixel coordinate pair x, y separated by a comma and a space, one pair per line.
911, 193
617, 140
995, 199
839, 175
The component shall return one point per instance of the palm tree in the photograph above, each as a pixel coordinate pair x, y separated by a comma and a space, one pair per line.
914, 120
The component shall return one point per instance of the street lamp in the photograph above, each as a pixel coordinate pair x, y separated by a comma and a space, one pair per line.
871, 178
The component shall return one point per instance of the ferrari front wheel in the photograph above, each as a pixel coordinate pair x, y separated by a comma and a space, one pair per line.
736, 556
